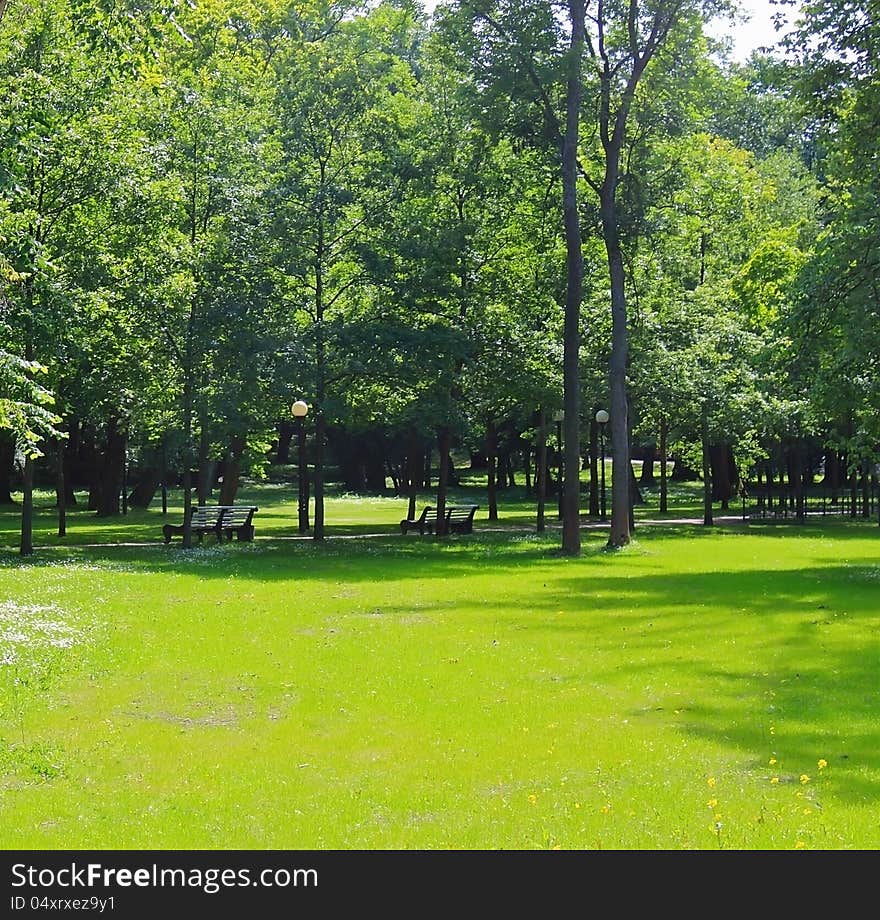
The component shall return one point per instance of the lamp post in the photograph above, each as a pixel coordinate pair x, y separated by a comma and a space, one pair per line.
300, 410
602, 420
559, 417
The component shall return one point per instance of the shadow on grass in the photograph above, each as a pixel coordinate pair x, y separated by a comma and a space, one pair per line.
794, 677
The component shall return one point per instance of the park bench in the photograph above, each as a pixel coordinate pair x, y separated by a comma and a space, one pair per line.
423, 523
459, 519
221, 520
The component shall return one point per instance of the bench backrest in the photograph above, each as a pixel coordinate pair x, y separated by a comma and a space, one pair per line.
231, 515
236, 515
457, 513
205, 515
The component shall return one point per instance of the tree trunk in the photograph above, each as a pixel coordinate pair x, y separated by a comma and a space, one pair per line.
60, 490
71, 450
187, 446
721, 490
636, 497
145, 488
207, 467
664, 479
541, 470
796, 481
594, 467
511, 473
708, 520
111, 471
286, 431
491, 454
571, 532
649, 455
445, 442
232, 470
681, 472
414, 466
832, 479
853, 492
26, 547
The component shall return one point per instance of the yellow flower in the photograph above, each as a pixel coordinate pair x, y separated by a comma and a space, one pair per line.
605, 809
533, 798
800, 845
710, 782
772, 761
577, 804
808, 811
712, 803
823, 763
774, 780
804, 779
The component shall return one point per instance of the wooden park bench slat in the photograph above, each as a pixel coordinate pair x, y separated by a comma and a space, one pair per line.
221, 520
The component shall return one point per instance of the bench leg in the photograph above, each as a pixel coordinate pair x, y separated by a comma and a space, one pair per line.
169, 530
246, 532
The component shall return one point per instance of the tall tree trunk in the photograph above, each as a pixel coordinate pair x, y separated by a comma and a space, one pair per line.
145, 488
414, 474
594, 466
26, 547
232, 470
707, 469
207, 467
444, 442
571, 532
797, 482
664, 479
649, 455
492, 456
60, 490
541, 471
187, 446
71, 450
620, 470
681, 472
286, 431
831, 479
721, 489
111, 471
612, 133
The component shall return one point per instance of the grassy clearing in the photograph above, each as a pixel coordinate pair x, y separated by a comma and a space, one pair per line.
698, 690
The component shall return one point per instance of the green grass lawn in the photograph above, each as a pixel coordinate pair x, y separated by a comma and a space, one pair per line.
701, 689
